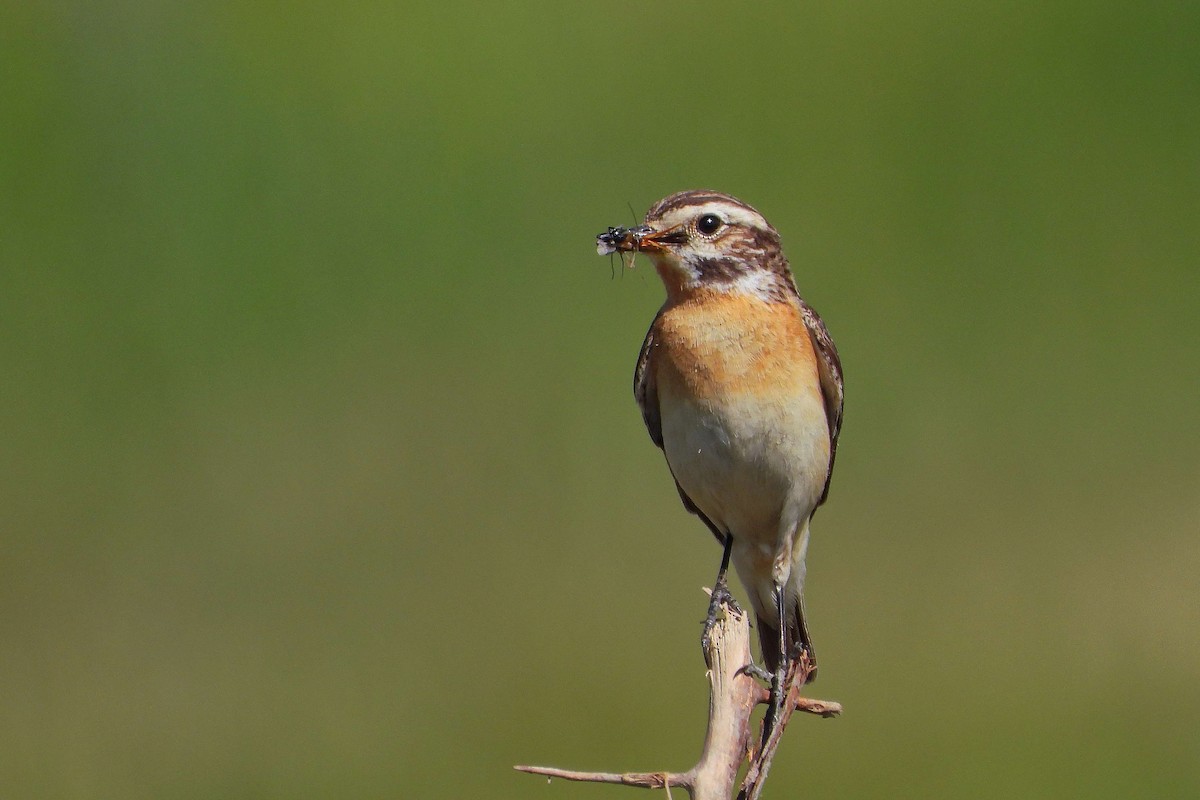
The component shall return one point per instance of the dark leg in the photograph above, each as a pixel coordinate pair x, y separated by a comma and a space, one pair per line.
780, 673
720, 593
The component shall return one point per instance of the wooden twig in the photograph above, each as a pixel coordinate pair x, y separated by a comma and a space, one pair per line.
760, 764
733, 694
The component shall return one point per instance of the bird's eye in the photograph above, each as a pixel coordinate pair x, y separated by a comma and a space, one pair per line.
708, 224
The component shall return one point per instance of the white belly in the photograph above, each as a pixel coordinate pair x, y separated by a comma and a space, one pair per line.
756, 468
750, 465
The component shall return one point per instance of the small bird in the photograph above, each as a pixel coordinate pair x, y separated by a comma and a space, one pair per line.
740, 385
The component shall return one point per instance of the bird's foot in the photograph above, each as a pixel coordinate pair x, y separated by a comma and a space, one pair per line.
775, 705
757, 672
720, 595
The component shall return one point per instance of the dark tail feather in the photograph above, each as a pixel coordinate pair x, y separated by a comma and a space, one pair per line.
797, 640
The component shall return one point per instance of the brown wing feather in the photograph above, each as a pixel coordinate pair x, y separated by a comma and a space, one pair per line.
829, 368
645, 391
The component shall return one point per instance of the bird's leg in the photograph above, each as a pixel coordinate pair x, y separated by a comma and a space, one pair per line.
720, 593
780, 671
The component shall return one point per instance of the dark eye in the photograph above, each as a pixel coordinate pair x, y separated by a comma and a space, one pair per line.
708, 224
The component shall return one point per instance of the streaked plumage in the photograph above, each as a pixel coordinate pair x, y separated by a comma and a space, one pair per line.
740, 385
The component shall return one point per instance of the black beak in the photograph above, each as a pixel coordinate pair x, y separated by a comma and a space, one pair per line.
642, 237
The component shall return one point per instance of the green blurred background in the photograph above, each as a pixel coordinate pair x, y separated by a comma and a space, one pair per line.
321, 476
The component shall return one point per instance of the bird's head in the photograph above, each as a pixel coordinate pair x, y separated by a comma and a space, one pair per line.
705, 240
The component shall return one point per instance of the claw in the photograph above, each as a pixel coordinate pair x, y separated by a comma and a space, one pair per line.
720, 595
776, 706
755, 671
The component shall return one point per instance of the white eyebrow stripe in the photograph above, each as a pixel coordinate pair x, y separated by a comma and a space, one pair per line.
728, 212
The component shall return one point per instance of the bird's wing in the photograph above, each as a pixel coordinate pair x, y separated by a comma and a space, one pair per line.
645, 391
829, 369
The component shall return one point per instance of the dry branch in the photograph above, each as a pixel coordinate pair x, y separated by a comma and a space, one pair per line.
733, 694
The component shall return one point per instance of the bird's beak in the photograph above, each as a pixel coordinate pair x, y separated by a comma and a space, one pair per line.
641, 238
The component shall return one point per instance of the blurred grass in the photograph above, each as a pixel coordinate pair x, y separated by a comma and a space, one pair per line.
321, 476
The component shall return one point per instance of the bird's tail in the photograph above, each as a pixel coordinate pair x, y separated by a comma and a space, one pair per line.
796, 638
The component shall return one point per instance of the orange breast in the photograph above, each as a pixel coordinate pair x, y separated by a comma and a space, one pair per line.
712, 345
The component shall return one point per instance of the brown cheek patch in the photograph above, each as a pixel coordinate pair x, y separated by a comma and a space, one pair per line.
718, 270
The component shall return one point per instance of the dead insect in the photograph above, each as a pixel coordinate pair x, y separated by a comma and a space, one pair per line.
620, 240
612, 240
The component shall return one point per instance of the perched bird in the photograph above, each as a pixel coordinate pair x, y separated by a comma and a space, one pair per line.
740, 385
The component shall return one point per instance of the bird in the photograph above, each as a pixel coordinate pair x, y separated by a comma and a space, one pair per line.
740, 385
